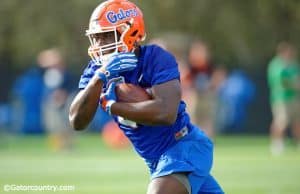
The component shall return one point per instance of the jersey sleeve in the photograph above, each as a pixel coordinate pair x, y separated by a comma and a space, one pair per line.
164, 67
88, 73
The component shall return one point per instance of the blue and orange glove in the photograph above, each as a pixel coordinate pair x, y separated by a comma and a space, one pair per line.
117, 64
108, 98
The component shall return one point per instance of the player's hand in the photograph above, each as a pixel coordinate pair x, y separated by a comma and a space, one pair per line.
108, 98
117, 64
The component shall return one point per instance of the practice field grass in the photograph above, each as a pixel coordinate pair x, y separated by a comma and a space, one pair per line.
242, 165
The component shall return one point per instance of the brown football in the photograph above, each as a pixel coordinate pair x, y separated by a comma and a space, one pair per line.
131, 93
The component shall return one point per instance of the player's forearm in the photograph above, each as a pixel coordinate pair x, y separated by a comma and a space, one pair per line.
151, 112
85, 104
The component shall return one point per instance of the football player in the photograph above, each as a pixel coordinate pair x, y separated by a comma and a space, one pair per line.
179, 155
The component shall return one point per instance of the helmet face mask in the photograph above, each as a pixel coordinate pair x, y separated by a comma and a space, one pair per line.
122, 34
103, 45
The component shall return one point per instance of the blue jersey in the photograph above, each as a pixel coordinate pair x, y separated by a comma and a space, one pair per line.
155, 66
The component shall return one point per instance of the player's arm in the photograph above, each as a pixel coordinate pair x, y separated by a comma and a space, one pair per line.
85, 104
161, 110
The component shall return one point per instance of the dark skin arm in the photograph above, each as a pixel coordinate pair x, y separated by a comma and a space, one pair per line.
85, 104
161, 110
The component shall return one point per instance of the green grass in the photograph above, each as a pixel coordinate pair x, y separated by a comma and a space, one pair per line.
242, 165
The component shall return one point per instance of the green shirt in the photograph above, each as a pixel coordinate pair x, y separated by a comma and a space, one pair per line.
280, 76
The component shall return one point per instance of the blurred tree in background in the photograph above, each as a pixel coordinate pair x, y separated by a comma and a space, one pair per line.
239, 32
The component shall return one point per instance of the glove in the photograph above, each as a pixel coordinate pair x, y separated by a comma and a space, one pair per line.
117, 64
108, 98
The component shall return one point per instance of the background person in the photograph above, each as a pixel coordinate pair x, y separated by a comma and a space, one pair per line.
200, 72
57, 99
283, 79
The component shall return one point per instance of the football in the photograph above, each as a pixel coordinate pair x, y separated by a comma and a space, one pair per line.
131, 93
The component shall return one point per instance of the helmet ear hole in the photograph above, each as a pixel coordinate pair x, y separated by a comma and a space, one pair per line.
134, 33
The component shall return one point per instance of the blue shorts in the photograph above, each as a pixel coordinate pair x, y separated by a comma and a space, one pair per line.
192, 154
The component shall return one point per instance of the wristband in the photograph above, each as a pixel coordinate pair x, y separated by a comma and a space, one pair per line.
108, 106
102, 77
